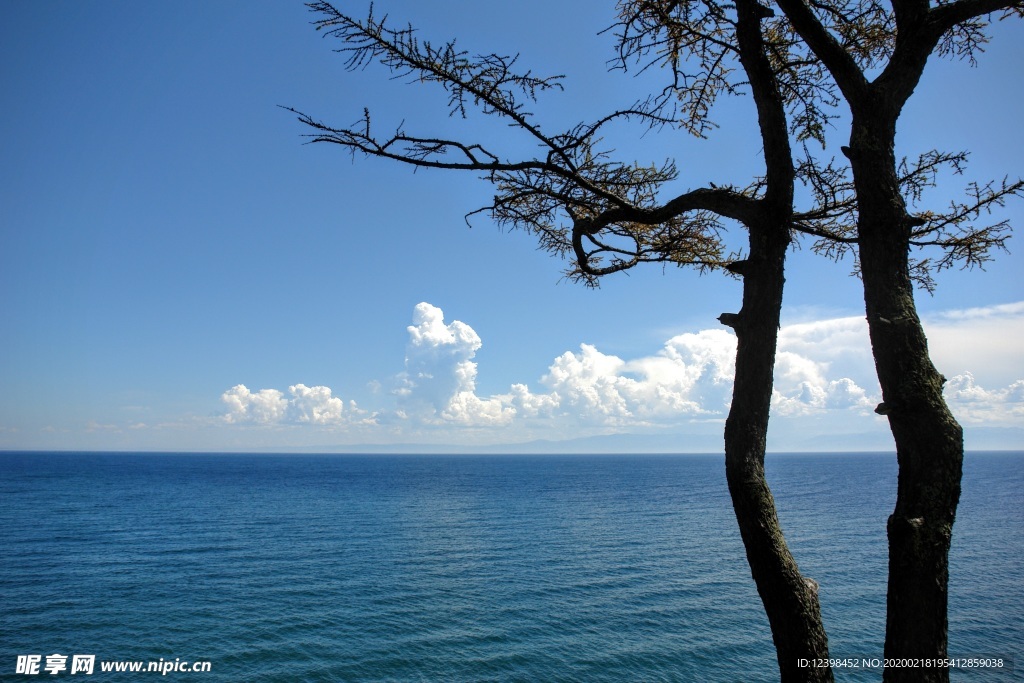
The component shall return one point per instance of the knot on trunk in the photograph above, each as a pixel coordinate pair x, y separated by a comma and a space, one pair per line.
812, 585
730, 319
883, 409
904, 320
739, 267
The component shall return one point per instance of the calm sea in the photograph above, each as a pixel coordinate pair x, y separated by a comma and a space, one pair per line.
467, 568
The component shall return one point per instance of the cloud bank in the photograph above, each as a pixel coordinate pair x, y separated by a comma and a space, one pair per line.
306, 405
824, 381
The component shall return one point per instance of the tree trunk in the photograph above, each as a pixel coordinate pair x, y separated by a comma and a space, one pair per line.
929, 442
790, 600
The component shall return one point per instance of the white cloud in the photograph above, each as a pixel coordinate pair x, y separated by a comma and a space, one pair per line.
315, 404
838, 347
309, 405
589, 385
979, 348
794, 370
820, 367
265, 406
467, 408
844, 393
809, 398
94, 426
824, 378
691, 376
972, 404
984, 341
439, 382
529, 405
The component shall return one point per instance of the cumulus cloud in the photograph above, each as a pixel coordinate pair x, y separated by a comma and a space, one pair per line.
823, 370
690, 376
439, 382
823, 366
590, 384
984, 341
264, 406
827, 364
530, 405
973, 404
837, 346
309, 405
810, 398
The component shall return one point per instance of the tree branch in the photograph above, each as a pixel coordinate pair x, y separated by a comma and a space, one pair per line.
945, 16
840, 64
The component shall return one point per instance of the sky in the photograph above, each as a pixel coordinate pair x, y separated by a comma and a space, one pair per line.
180, 272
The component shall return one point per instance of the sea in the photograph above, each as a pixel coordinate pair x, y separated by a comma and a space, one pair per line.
261, 567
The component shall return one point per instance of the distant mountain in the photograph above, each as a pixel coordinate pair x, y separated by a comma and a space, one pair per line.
994, 438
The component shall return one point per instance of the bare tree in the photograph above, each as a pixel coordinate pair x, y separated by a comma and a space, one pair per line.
606, 215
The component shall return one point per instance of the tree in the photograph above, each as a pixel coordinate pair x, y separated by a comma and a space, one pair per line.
607, 216
850, 39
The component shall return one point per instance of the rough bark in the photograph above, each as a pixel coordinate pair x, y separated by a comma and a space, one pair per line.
790, 600
929, 441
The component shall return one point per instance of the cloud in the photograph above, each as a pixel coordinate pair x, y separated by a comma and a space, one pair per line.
690, 376
94, 426
972, 404
265, 406
979, 349
824, 381
439, 382
810, 398
985, 341
821, 367
838, 347
315, 405
307, 405
590, 384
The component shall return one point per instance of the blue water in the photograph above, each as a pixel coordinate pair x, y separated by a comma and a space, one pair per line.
467, 568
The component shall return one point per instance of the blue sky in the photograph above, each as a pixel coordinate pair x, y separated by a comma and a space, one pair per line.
179, 272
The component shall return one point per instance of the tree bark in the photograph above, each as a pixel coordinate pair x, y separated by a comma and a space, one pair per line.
929, 441
790, 600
